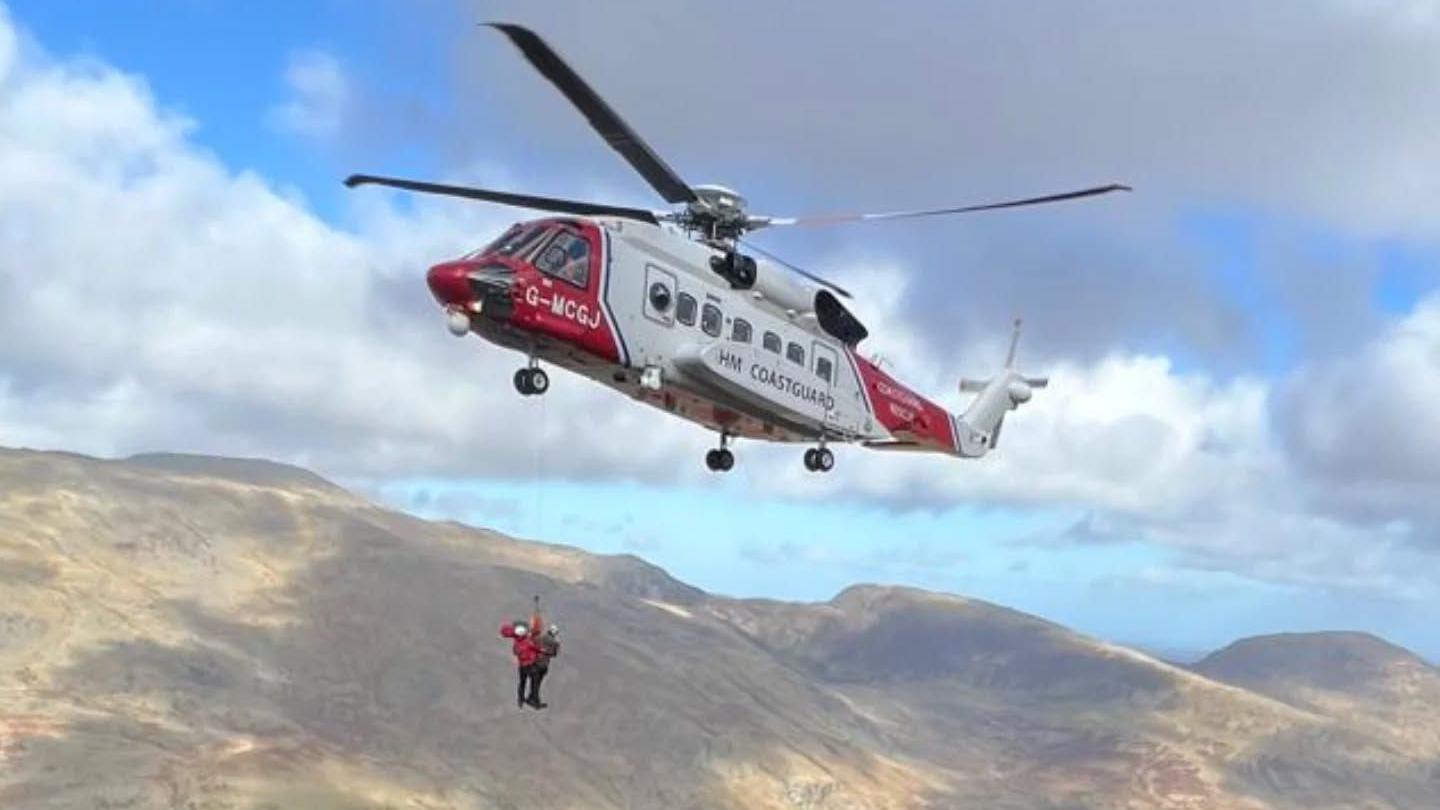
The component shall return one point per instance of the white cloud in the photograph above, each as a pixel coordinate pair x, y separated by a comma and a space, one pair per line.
151, 298
320, 96
1365, 427
1239, 475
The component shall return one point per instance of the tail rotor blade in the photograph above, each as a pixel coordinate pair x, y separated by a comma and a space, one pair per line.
1014, 343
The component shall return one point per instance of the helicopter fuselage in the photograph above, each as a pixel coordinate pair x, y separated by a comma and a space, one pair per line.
637, 307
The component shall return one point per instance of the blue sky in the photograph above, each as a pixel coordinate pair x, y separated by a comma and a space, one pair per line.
1235, 282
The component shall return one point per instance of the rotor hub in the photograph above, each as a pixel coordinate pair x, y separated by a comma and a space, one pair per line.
718, 211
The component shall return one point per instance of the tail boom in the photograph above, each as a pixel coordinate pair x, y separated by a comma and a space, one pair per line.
977, 431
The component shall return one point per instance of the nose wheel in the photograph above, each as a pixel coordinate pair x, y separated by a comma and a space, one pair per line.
532, 381
819, 459
720, 459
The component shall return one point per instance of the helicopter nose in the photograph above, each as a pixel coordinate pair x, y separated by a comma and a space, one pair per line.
449, 283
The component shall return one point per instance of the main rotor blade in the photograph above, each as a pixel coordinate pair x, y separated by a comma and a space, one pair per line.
835, 219
605, 120
806, 273
506, 198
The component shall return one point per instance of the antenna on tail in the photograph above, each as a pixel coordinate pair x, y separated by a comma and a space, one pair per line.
1014, 342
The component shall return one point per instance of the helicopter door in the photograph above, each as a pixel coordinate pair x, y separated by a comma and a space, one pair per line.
660, 292
825, 364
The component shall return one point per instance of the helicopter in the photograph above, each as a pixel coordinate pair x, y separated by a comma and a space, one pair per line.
674, 308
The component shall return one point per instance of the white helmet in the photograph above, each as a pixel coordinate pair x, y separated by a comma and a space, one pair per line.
553, 630
521, 631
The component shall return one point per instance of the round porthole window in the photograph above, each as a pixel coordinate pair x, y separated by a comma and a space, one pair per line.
659, 296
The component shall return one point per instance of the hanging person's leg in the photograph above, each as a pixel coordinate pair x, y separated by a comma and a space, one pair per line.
525, 673
536, 676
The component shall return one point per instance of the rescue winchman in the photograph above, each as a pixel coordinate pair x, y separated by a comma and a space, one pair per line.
533, 648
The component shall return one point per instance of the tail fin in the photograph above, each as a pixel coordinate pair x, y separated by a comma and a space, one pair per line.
979, 427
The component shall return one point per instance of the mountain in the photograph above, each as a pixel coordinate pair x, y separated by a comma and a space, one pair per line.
179, 631
1353, 664
1355, 678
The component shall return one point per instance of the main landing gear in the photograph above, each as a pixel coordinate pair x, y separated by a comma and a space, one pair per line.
819, 459
532, 380
720, 459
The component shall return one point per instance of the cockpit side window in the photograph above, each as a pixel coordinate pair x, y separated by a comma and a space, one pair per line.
566, 257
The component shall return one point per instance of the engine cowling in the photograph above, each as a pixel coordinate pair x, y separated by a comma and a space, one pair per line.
784, 289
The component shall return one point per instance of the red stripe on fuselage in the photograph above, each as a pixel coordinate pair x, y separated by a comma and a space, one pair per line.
907, 415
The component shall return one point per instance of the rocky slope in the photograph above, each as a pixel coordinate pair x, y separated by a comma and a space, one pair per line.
203, 633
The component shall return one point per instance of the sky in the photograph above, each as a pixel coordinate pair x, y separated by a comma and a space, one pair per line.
1240, 434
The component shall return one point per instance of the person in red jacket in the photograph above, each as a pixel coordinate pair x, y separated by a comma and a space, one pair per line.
526, 652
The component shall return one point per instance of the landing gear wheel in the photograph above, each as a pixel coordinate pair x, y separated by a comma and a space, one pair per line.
532, 381
719, 460
819, 459
824, 459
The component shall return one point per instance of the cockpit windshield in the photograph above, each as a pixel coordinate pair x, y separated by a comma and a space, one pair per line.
514, 242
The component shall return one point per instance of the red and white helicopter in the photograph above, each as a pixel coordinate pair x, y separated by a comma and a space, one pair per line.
665, 307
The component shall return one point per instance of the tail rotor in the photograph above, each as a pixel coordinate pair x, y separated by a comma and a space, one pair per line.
981, 423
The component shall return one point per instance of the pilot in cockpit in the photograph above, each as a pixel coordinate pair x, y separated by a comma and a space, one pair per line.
576, 266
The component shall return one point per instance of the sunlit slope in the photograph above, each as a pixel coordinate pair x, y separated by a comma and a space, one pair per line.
1007, 707
1355, 678
179, 631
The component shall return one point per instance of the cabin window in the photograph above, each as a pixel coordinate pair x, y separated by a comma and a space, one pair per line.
567, 258
659, 296
823, 369
771, 341
795, 353
685, 309
740, 331
711, 320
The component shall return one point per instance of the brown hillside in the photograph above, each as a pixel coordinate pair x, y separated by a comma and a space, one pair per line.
200, 633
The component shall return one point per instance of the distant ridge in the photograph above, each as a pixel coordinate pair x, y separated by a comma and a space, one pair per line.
1348, 663
257, 471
